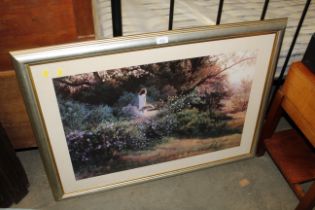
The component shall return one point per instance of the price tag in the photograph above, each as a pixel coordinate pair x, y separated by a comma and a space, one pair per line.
161, 40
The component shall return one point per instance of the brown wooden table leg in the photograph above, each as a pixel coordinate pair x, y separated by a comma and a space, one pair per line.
271, 123
308, 201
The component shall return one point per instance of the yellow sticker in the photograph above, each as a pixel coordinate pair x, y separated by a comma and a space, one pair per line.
45, 73
59, 72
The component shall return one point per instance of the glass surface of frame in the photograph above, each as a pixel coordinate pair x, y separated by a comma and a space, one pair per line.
114, 112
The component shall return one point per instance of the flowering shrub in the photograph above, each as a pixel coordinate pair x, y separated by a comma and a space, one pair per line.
87, 148
123, 135
178, 103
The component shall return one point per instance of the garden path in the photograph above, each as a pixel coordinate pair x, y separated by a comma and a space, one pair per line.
181, 148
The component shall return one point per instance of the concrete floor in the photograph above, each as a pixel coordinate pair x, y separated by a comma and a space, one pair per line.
249, 184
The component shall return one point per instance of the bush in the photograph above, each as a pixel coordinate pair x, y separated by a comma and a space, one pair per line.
98, 114
126, 135
154, 94
73, 114
88, 149
164, 125
79, 116
189, 116
178, 103
191, 122
93, 149
126, 99
195, 123
129, 111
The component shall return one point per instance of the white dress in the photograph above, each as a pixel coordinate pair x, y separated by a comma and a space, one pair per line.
142, 101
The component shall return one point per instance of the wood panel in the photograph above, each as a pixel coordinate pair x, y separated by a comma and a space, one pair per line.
292, 155
299, 101
84, 19
34, 23
13, 114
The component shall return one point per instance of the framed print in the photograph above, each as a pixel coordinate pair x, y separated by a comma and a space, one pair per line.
114, 112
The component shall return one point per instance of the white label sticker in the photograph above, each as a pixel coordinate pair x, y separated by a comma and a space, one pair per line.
161, 40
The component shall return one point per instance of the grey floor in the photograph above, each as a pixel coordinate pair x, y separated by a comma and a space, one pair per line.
249, 184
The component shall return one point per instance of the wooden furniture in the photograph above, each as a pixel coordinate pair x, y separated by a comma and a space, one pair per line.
13, 180
13, 114
29, 24
293, 151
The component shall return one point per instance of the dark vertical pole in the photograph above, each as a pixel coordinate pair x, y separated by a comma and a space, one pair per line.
220, 12
263, 13
116, 17
171, 15
279, 81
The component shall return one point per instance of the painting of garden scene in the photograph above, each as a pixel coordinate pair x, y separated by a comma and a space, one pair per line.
135, 116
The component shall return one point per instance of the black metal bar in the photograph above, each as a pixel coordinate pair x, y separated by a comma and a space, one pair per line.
116, 18
263, 13
220, 12
171, 15
279, 81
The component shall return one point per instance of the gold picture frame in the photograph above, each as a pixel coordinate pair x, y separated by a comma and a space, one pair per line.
104, 111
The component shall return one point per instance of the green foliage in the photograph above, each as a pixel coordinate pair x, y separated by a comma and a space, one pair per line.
191, 122
190, 116
194, 100
154, 94
178, 103
98, 114
164, 125
196, 123
128, 112
73, 114
79, 116
127, 98
130, 136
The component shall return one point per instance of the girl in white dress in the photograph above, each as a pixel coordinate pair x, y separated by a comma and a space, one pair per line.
142, 99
